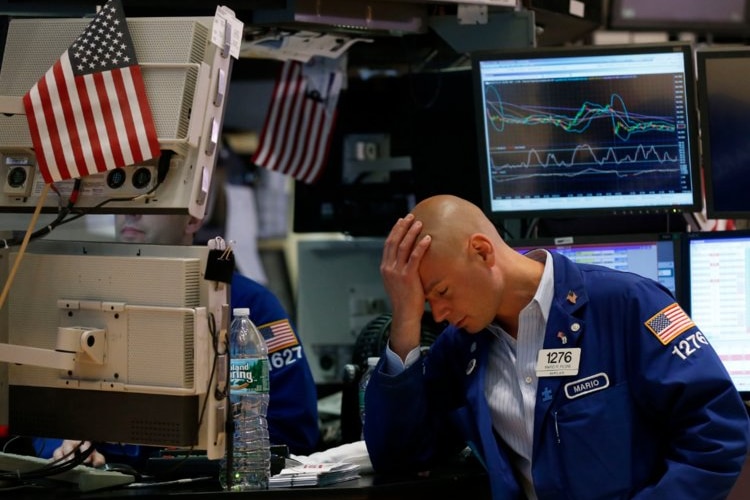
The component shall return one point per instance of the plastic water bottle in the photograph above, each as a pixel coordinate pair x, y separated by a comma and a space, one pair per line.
248, 392
371, 362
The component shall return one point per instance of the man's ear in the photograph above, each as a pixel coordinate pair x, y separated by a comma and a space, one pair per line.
193, 225
482, 246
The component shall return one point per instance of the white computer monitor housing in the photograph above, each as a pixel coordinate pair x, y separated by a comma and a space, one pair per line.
186, 77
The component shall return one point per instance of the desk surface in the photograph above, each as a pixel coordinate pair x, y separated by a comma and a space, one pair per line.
470, 481
462, 481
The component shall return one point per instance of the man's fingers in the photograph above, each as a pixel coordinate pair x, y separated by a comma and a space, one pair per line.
400, 241
68, 447
395, 237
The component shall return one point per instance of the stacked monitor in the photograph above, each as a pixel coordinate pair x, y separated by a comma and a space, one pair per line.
186, 76
655, 256
724, 105
717, 295
594, 130
126, 331
130, 331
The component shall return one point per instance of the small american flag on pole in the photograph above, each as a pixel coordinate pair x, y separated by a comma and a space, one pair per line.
89, 112
297, 132
668, 323
278, 335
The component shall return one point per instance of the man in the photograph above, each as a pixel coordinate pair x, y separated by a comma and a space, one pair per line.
566, 380
292, 408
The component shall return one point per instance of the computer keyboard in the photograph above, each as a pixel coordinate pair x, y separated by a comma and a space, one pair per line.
87, 478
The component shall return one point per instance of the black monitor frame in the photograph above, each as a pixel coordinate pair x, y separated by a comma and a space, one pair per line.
585, 69
723, 103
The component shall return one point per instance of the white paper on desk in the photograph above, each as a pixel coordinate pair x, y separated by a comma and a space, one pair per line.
352, 453
320, 474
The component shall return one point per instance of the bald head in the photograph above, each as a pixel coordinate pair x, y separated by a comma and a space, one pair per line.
469, 275
451, 221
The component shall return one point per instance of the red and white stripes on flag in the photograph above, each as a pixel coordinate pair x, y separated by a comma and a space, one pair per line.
278, 335
670, 322
89, 112
297, 132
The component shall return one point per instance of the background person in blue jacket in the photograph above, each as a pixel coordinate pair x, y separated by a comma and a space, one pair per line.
293, 404
568, 380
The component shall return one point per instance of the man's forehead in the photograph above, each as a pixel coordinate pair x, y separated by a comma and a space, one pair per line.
431, 273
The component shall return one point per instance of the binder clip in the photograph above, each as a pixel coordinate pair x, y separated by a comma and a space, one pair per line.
220, 262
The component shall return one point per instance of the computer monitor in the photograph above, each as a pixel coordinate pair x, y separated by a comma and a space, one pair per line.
340, 291
186, 75
717, 278
655, 256
589, 130
724, 105
714, 17
114, 342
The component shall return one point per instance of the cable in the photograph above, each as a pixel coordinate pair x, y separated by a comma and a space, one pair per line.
163, 168
77, 456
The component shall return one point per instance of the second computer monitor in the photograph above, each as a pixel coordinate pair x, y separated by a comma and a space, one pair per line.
654, 256
717, 278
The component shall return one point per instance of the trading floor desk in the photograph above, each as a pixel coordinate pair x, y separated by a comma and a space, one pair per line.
463, 481
469, 481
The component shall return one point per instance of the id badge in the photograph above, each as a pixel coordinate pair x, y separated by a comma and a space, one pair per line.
558, 362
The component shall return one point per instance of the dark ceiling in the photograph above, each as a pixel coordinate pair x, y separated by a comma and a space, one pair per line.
435, 46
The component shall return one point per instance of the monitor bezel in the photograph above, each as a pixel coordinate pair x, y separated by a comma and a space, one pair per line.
694, 205
701, 57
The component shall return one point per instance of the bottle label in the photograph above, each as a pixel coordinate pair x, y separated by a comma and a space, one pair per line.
248, 375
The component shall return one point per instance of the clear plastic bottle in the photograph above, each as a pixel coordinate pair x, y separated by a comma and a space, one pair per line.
363, 381
248, 391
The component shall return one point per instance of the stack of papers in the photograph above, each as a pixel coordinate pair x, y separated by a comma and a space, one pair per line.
314, 475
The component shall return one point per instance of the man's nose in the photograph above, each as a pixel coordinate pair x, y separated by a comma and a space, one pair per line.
440, 310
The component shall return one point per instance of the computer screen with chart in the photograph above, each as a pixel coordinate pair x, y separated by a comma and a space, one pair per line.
587, 131
717, 277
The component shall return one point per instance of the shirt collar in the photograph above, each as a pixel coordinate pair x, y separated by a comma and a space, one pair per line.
546, 289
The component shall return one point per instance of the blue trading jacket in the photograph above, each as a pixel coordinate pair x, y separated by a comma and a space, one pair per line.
293, 404
641, 419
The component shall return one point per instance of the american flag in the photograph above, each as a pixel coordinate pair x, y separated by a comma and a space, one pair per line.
89, 112
278, 335
669, 323
297, 132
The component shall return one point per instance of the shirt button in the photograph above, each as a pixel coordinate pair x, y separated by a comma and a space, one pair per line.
528, 380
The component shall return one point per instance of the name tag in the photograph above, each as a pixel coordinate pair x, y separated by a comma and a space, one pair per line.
558, 362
